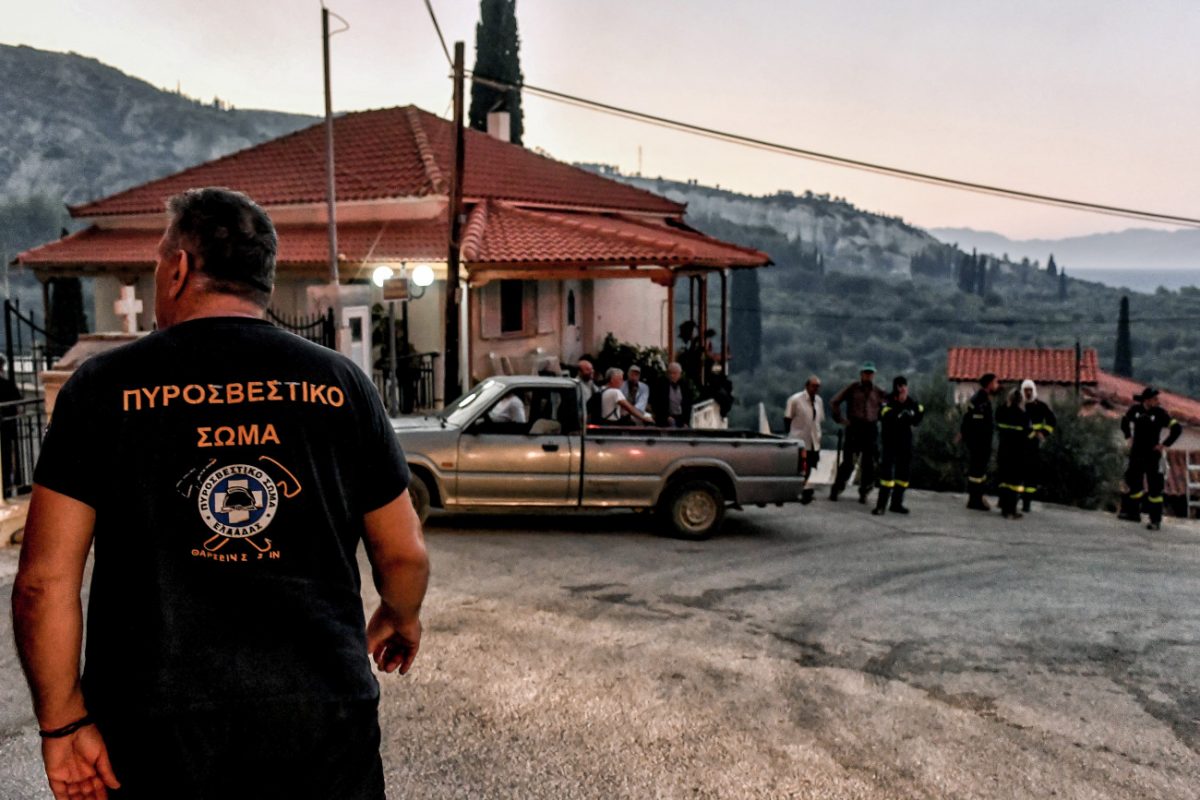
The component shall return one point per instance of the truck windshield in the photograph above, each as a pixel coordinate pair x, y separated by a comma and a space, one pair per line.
465, 407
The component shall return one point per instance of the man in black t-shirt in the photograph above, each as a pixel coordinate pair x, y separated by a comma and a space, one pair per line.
226, 471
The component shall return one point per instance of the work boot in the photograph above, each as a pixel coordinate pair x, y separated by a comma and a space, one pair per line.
1026, 503
882, 501
806, 497
976, 502
834, 491
897, 504
862, 497
1130, 509
1153, 526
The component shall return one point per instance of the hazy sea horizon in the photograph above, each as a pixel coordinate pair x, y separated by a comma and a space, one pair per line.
1139, 280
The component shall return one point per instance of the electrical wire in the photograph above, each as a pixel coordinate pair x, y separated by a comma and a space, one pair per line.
840, 161
438, 28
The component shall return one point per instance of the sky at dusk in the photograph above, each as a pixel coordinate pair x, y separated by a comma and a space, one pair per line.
1089, 100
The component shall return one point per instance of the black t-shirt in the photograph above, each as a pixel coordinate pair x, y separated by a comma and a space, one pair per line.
230, 464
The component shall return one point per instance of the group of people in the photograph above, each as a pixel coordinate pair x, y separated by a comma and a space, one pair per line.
1019, 426
870, 416
1021, 423
618, 399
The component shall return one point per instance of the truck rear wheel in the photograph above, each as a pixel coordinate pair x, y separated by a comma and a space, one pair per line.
693, 509
418, 492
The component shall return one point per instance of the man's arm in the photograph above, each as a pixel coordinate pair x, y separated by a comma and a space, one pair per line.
835, 405
400, 568
633, 411
48, 622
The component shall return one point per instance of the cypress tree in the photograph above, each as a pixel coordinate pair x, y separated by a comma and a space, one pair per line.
745, 330
1051, 267
1123, 362
497, 56
981, 276
1062, 286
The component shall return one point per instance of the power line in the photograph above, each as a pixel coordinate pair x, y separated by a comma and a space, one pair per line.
841, 161
438, 28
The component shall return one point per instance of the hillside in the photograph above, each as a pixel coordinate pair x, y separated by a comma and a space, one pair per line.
1136, 248
75, 129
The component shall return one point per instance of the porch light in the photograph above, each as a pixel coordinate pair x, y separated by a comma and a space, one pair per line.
381, 274
422, 275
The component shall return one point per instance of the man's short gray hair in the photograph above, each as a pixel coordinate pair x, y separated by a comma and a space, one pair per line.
612, 372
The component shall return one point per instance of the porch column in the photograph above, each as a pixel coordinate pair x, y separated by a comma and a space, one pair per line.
671, 319
702, 279
725, 322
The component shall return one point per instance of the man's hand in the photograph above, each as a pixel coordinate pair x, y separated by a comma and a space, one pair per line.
393, 644
77, 766
1158, 448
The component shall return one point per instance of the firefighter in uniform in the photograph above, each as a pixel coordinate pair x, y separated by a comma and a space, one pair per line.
899, 415
1012, 424
976, 434
1143, 425
1043, 422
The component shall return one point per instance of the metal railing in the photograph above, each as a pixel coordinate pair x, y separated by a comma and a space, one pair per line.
22, 424
411, 387
27, 356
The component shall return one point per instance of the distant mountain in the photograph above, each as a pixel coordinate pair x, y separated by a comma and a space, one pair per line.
1136, 248
849, 239
75, 129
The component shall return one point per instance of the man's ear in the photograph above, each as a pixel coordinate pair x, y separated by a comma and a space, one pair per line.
181, 270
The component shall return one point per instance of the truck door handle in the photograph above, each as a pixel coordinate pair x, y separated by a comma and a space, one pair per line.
550, 448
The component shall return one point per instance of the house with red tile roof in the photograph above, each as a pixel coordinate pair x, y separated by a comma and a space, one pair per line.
1054, 370
554, 257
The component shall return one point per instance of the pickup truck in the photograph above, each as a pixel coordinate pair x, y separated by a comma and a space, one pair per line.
475, 456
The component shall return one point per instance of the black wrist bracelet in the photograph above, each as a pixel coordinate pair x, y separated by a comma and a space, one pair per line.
67, 730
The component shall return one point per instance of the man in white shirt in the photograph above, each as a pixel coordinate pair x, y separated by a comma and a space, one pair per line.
509, 409
614, 408
802, 419
635, 391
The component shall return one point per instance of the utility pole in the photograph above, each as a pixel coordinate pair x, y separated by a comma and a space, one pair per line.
452, 387
330, 186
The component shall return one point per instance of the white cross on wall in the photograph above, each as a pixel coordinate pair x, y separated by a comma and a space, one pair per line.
128, 307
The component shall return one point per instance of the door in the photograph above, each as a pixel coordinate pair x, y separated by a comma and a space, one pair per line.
572, 332
356, 345
523, 451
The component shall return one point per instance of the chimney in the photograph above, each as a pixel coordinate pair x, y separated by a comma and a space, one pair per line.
499, 125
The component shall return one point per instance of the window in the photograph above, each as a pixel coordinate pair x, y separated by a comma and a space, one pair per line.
571, 307
512, 306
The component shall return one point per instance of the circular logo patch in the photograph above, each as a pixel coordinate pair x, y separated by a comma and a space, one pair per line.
238, 501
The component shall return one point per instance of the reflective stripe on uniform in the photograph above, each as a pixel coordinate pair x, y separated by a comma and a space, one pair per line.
1013, 487
1005, 427
1030, 489
1157, 499
1136, 495
1041, 426
902, 484
887, 484
973, 479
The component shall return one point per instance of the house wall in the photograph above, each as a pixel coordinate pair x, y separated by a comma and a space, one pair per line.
543, 314
632, 310
106, 290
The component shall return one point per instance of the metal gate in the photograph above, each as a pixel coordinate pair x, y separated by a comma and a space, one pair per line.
318, 328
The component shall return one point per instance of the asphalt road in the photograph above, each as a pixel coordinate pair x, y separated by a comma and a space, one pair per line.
806, 652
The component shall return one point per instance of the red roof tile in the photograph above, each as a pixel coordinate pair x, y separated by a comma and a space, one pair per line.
387, 153
300, 246
496, 234
1117, 392
500, 233
1041, 365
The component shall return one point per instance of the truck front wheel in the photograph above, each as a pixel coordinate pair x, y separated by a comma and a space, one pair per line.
418, 492
693, 509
